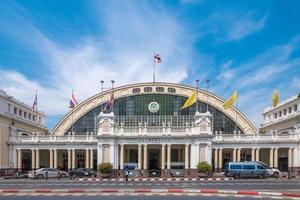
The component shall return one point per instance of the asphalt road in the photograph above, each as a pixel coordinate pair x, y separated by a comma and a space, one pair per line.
280, 185
123, 197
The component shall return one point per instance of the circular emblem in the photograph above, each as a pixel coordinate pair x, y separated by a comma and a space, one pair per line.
153, 107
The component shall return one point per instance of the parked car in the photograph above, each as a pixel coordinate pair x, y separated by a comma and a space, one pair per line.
245, 170
177, 169
49, 172
273, 172
83, 172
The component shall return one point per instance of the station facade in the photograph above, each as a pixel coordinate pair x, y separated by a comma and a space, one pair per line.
148, 129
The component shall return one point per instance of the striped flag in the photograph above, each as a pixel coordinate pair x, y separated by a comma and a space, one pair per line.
73, 101
34, 106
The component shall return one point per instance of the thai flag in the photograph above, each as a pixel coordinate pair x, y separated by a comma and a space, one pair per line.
157, 58
109, 103
73, 101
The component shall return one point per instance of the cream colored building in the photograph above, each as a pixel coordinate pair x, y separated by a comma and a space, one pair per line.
146, 128
16, 119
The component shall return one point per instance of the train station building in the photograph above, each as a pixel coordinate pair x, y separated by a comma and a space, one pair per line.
146, 127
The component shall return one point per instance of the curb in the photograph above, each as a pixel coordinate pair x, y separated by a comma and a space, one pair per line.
155, 179
149, 190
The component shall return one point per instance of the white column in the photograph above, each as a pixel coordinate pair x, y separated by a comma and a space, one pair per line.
186, 156
195, 154
139, 156
33, 159
163, 154
220, 159
19, 159
271, 157
122, 156
69, 159
234, 155
208, 154
169, 156
87, 159
50, 158
253, 154
37, 159
290, 158
238, 159
216, 159
145, 156
276, 158
91, 158
99, 153
257, 154
112, 154
55, 158
73, 158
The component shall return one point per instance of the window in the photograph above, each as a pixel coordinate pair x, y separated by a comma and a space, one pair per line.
260, 167
290, 110
147, 89
284, 112
40, 120
15, 111
249, 167
160, 89
136, 90
33, 117
29, 116
20, 113
235, 166
171, 90
295, 108
279, 113
9, 108
25, 114
275, 115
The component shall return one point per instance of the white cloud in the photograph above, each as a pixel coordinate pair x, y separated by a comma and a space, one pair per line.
228, 25
124, 52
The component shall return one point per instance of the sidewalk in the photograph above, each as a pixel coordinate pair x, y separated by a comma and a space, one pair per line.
155, 179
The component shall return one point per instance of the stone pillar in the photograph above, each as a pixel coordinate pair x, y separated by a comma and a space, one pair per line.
91, 159
271, 157
220, 159
145, 156
87, 158
234, 155
253, 154
257, 155
290, 158
139, 156
216, 159
73, 158
37, 158
163, 154
122, 156
33, 159
99, 153
238, 159
276, 158
186, 156
19, 159
69, 160
169, 156
51, 158
55, 158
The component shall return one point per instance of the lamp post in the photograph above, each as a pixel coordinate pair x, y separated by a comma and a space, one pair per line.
102, 82
197, 88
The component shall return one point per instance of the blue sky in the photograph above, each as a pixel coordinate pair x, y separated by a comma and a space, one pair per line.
56, 46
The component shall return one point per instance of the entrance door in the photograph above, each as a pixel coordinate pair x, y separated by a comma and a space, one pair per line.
153, 159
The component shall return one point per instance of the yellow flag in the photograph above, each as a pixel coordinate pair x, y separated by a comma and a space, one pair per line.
190, 101
275, 98
229, 102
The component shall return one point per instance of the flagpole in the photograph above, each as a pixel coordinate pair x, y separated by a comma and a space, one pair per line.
36, 110
154, 67
72, 114
207, 81
197, 88
236, 108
